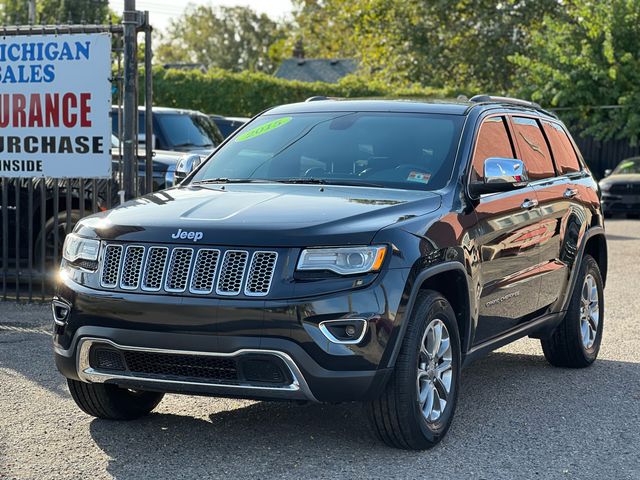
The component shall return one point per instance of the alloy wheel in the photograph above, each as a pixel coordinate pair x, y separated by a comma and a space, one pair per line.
589, 311
435, 370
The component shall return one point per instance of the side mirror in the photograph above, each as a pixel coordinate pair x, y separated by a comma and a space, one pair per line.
501, 175
187, 164
607, 172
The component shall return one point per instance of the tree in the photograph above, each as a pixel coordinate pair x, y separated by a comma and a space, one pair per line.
55, 11
584, 60
437, 42
233, 38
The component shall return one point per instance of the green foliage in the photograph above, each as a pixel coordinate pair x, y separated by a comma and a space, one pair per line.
55, 11
233, 38
439, 43
589, 57
248, 93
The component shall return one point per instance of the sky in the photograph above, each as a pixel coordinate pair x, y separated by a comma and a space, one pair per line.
161, 12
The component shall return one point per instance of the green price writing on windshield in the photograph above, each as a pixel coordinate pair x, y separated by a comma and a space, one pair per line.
262, 129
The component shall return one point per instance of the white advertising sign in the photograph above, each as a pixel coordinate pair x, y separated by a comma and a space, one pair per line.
55, 97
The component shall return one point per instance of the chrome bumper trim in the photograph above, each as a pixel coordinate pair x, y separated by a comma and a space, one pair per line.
297, 390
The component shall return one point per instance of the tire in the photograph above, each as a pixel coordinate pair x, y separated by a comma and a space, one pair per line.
396, 416
568, 346
47, 235
111, 402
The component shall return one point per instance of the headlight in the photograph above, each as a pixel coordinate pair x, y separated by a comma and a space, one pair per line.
344, 261
80, 248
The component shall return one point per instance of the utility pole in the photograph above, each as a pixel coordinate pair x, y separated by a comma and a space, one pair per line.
130, 101
32, 12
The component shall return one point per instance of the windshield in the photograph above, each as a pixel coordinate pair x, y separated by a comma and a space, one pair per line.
185, 130
393, 150
631, 165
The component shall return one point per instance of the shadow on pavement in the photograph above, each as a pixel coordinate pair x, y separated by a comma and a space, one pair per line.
516, 404
37, 365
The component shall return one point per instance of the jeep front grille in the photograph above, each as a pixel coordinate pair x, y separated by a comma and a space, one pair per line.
179, 269
260, 273
232, 272
131, 267
111, 266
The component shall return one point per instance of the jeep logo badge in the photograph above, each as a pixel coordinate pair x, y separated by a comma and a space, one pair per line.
184, 235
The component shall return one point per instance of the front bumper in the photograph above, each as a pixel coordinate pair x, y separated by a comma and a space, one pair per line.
621, 204
290, 331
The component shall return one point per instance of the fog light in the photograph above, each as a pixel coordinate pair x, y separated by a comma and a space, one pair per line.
60, 312
346, 332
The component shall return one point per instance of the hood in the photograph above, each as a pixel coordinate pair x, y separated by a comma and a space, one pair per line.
277, 215
624, 179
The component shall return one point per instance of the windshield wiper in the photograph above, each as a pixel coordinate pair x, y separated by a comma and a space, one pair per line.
331, 181
231, 180
189, 144
316, 181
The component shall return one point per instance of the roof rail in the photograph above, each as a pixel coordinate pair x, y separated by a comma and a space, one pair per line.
514, 101
317, 98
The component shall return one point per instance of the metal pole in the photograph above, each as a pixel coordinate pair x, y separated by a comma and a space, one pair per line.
148, 103
32, 12
130, 23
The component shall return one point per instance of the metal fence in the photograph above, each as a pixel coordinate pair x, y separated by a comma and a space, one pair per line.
602, 155
37, 213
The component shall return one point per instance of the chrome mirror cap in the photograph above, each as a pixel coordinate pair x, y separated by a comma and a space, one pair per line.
187, 164
501, 175
505, 170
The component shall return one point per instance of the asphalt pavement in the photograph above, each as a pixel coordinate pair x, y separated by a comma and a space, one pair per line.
517, 416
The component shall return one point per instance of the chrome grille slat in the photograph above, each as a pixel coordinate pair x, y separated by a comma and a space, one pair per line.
234, 264
260, 274
178, 270
131, 267
154, 269
192, 270
111, 266
204, 271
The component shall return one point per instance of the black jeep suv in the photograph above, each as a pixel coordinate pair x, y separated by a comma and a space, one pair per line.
337, 251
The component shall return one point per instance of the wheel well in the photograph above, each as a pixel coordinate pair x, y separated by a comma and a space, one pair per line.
453, 286
597, 247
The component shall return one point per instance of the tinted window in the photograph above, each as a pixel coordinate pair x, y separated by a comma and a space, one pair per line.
227, 126
493, 141
629, 166
184, 130
563, 152
114, 122
411, 151
533, 148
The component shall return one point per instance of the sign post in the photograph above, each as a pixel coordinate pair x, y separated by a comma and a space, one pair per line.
55, 99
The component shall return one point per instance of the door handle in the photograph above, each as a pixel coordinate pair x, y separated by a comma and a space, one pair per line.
570, 192
527, 204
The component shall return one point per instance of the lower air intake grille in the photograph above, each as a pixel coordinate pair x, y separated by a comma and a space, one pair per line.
182, 366
249, 368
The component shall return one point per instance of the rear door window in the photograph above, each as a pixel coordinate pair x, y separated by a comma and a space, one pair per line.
533, 148
563, 152
493, 141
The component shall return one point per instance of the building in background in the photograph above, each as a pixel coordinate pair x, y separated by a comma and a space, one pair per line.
315, 69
